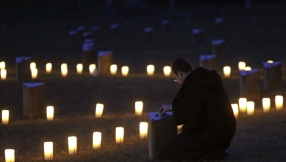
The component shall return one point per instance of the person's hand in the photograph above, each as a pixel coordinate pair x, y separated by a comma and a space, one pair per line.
164, 108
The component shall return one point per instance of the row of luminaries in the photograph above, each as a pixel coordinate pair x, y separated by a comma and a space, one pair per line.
207, 61
72, 143
244, 106
92, 32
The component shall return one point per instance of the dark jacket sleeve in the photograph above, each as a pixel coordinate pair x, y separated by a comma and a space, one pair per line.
194, 110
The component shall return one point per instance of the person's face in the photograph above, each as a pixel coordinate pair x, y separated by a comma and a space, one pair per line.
179, 78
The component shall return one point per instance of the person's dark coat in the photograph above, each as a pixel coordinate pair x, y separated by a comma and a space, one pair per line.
203, 107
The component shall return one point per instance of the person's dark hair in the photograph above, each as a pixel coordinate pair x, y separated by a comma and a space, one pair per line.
181, 65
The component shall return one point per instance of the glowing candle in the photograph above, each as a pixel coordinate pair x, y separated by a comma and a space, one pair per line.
34, 73
96, 140
269, 61
72, 145
235, 110
5, 117
143, 130
3, 74
167, 71
226, 71
119, 134
113, 69
48, 151
242, 104
266, 104
247, 68
99, 110
32, 65
9, 155
2, 65
48, 68
79, 68
138, 108
150, 70
278, 102
241, 65
64, 69
50, 113
250, 108
91, 68
124, 70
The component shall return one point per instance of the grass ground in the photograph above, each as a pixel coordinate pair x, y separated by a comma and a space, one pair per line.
253, 36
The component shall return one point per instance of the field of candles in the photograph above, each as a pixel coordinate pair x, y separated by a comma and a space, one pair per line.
72, 108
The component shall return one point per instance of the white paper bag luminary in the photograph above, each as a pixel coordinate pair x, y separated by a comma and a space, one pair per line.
125, 71
241, 65
226, 71
242, 102
9, 155
250, 108
72, 145
5, 117
167, 71
113, 69
119, 135
50, 113
150, 70
143, 126
266, 104
3, 74
48, 68
32, 65
64, 69
79, 68
99, 110
96, 140
48, 151
138, 108
34, 73
2, 65
92, 69
279, 102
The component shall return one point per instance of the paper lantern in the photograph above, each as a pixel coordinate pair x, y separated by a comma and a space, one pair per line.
278, 102
250, 108
50, 113
92, 67
241, 65
113, 69
242, 104
99, 110
3, 74
226, 71
125, 70
32, 65
9, 155
96, 140
266, 104
79, 68
48, 68
167, 71
72, 145
235, 110
48, 151
5, 117
119, 134
247, 68
34, 73
138, 108
64, 69
2, 65
150, 70
143, 126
